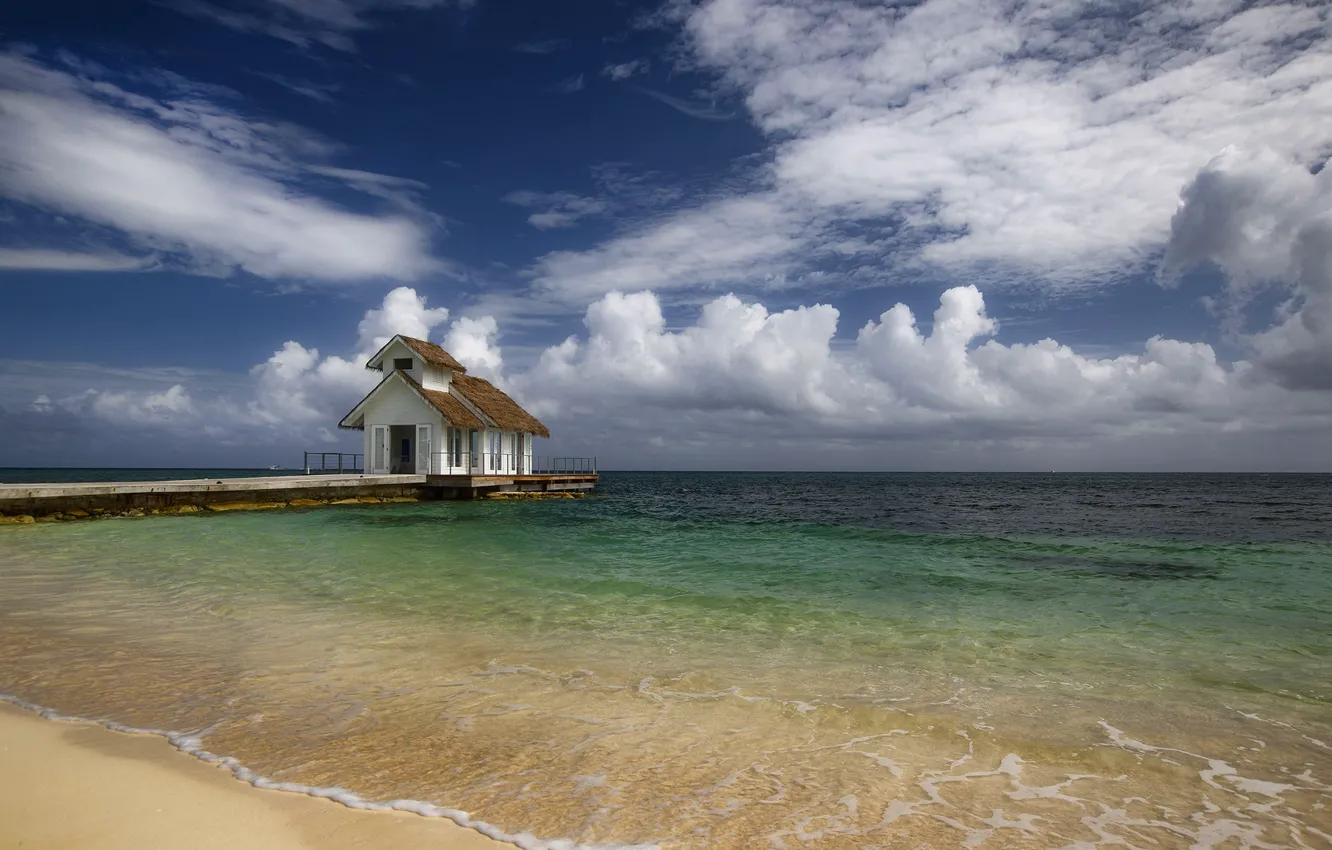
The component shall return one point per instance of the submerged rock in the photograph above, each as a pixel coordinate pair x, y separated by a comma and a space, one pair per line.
243, 506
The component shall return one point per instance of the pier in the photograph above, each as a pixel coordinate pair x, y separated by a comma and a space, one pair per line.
38, 502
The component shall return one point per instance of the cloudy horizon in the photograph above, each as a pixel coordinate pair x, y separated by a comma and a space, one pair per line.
728, 234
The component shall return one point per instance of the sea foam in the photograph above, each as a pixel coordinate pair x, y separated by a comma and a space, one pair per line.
191, 743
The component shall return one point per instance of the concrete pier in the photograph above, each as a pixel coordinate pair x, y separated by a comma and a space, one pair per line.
18, 502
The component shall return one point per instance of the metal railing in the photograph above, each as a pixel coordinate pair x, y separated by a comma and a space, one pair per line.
324, 463
564, 466
452, 463
480, 463
508, 463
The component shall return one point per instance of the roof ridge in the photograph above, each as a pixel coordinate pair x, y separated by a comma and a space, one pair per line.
498, 406
453, 411
428, 351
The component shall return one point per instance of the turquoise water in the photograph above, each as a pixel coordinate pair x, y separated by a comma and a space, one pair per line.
740, 660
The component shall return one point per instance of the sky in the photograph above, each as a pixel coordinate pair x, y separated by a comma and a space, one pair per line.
693, 234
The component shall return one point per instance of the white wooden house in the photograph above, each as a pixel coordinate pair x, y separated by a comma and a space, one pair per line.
429, 417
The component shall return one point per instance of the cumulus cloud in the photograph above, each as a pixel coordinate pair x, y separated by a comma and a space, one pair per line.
296, 391
744, 385
303, 22
1032, 141
297, 394
402, 312
475, 343
1266, 221
556, 209
180, 174
172, 408
781, 374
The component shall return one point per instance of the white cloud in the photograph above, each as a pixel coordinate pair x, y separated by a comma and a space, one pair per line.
15, 259
1265, 220
190, 179
741, 384
303, 22
780, 375
171, 408
402, 312
561, 209
707, 110
730, 242
474, 342
319, 92
625, 70
1031, 142
296, 394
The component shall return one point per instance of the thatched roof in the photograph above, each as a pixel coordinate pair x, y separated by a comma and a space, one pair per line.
433, 354
426, 350
453, 411
497, 406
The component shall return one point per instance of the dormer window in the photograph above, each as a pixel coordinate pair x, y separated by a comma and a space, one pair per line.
403, 363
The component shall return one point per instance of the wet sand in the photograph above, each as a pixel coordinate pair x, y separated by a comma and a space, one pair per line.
72, 786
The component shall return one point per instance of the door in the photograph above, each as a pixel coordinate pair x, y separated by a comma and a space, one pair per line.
423, 449
379, 448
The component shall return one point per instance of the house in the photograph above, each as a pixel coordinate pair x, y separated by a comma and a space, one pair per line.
429, 417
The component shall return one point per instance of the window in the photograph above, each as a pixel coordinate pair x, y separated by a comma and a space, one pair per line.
406, 455
403, 363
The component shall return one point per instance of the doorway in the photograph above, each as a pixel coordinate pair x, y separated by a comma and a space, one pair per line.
402, 449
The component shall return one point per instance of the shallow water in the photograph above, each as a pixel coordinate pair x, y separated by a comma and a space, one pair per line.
735, 660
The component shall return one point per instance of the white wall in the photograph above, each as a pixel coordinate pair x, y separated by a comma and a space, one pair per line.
508, 448
430, 377
397, 404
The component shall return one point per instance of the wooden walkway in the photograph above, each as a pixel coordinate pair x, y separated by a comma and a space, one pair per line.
92, 498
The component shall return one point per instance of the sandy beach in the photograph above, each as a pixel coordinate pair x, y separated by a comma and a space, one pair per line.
78, 785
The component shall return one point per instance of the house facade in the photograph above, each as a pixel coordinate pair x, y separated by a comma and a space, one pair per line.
429, 417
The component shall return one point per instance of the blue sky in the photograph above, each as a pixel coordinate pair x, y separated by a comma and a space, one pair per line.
677, 232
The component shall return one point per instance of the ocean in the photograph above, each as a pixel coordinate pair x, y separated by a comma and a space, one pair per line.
731, 660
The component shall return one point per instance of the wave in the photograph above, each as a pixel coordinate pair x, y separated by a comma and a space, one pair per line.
191, 743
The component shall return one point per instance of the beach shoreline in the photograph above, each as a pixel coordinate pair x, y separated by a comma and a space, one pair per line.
68, 785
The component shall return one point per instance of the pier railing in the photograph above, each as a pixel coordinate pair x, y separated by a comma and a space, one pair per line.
508, 463
564, 466
333, 463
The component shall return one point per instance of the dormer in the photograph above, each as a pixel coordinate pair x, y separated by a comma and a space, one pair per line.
426, 363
